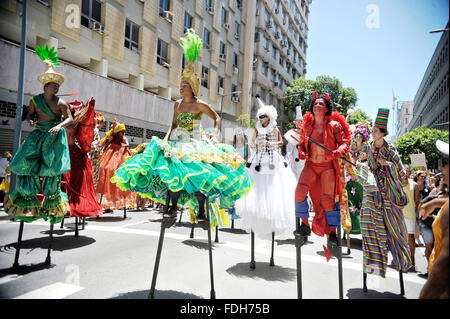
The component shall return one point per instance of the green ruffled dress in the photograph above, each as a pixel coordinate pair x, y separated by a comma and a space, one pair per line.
41, 155
187, 163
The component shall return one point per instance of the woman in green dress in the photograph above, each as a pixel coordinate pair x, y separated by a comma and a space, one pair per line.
187, 165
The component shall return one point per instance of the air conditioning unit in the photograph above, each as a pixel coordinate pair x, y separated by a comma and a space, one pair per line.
236, 36
235, 70
205, 76
277, 35
277, 11
235, 99
282, 43
226, 25
222, 57
220, 91
275, 83
210, 10
96, 26
167, 16
269, 25
164, 64
267, 49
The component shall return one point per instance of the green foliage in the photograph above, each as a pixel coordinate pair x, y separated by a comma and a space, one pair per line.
343, 98
359, 116
48, 55
191, 44
246, 121
421, 140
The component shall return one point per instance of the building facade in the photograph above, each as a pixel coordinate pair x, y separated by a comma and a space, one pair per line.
431, 102
281, 35
125, 54
404, 118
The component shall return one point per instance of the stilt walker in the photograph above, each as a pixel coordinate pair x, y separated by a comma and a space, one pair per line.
382, 222
324, 137
269, 207
187, 168
43, 157
80, 180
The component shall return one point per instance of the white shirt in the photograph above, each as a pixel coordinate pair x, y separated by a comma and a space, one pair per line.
3, 165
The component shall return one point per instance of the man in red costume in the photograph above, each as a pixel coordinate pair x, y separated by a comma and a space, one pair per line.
321, 174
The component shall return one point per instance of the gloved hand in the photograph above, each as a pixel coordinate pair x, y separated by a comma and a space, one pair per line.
301, 155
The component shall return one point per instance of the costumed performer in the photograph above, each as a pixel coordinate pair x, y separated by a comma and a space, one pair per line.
269, 207
115, 146
96, 149
80, 180
186, 165
382, 223
44, 153
321, 176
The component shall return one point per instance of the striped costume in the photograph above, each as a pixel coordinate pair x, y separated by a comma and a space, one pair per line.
382, 223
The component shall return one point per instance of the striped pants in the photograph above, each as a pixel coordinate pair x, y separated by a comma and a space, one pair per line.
383, 229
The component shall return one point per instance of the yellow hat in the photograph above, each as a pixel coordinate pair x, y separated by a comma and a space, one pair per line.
50, 58
119, 128
192, 45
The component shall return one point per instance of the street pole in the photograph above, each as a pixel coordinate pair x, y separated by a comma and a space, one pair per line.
19, 104
221, 108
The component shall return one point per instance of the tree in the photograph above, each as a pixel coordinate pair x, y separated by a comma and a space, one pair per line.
421, 140
343, 98
360, 116
245, 121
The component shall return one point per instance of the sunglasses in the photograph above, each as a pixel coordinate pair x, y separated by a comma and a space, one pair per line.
442, 162
262, 117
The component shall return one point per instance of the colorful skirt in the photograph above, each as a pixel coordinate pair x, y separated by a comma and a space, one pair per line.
189, 166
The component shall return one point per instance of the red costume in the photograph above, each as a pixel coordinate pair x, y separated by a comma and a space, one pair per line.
79, 180
321, 175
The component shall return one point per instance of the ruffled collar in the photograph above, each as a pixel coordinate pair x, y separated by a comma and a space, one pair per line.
265, 130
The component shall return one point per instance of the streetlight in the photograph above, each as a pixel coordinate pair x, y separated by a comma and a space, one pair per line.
438, 30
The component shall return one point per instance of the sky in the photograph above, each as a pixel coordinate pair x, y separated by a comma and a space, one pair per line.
374, 46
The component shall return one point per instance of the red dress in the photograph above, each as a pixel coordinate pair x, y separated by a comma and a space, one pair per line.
79, 180
112, 158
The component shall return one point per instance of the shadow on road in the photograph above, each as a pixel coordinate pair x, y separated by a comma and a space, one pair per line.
200, 244
59, 243
159, 294
263, 271
25, 269
236, 231
105, 219
358, 293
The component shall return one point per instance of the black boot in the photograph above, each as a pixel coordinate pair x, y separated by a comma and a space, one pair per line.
333, 244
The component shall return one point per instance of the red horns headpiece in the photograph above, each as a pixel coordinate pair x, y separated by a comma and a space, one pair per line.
325, 94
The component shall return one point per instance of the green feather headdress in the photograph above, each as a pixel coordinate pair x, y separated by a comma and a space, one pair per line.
50, 58
48, 55
192, 45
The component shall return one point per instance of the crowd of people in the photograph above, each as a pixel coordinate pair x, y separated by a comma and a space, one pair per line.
348, 175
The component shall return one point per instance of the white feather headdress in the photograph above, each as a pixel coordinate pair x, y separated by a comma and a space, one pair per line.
268, 110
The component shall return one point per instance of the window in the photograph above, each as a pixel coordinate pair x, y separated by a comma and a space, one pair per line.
277, 4
224, 16
208, 4
205, 72
265, 43
91, 10
206, 38
220, 86
187, 22
162, 53
234, 89
266, 16
264, 67
235, 60
274, 52
236, 28
131, 36
222, 48
164, 7
272, 75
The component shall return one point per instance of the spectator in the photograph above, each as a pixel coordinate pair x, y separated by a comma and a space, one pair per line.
409, 212
424, 191
4, 163
434, 184
438, 265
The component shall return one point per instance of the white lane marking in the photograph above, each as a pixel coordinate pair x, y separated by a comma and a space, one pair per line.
391, 273
57, 290
8, 278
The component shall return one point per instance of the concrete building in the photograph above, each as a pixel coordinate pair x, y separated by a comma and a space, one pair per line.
125, 54
280, 49
404, 117
431, 102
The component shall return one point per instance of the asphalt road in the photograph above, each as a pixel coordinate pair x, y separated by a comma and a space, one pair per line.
113, 258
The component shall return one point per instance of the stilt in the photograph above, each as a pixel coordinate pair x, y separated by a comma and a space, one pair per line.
364, 281
76, 226
272, 263
125, 212
192, 230
48, 259
348, 243
182, 211
151, 295
62, 222
217, 235
402, 287
19, 244
211, 272
252, 261
299, 242
101, 198
84, 220
339, 257
232, 224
